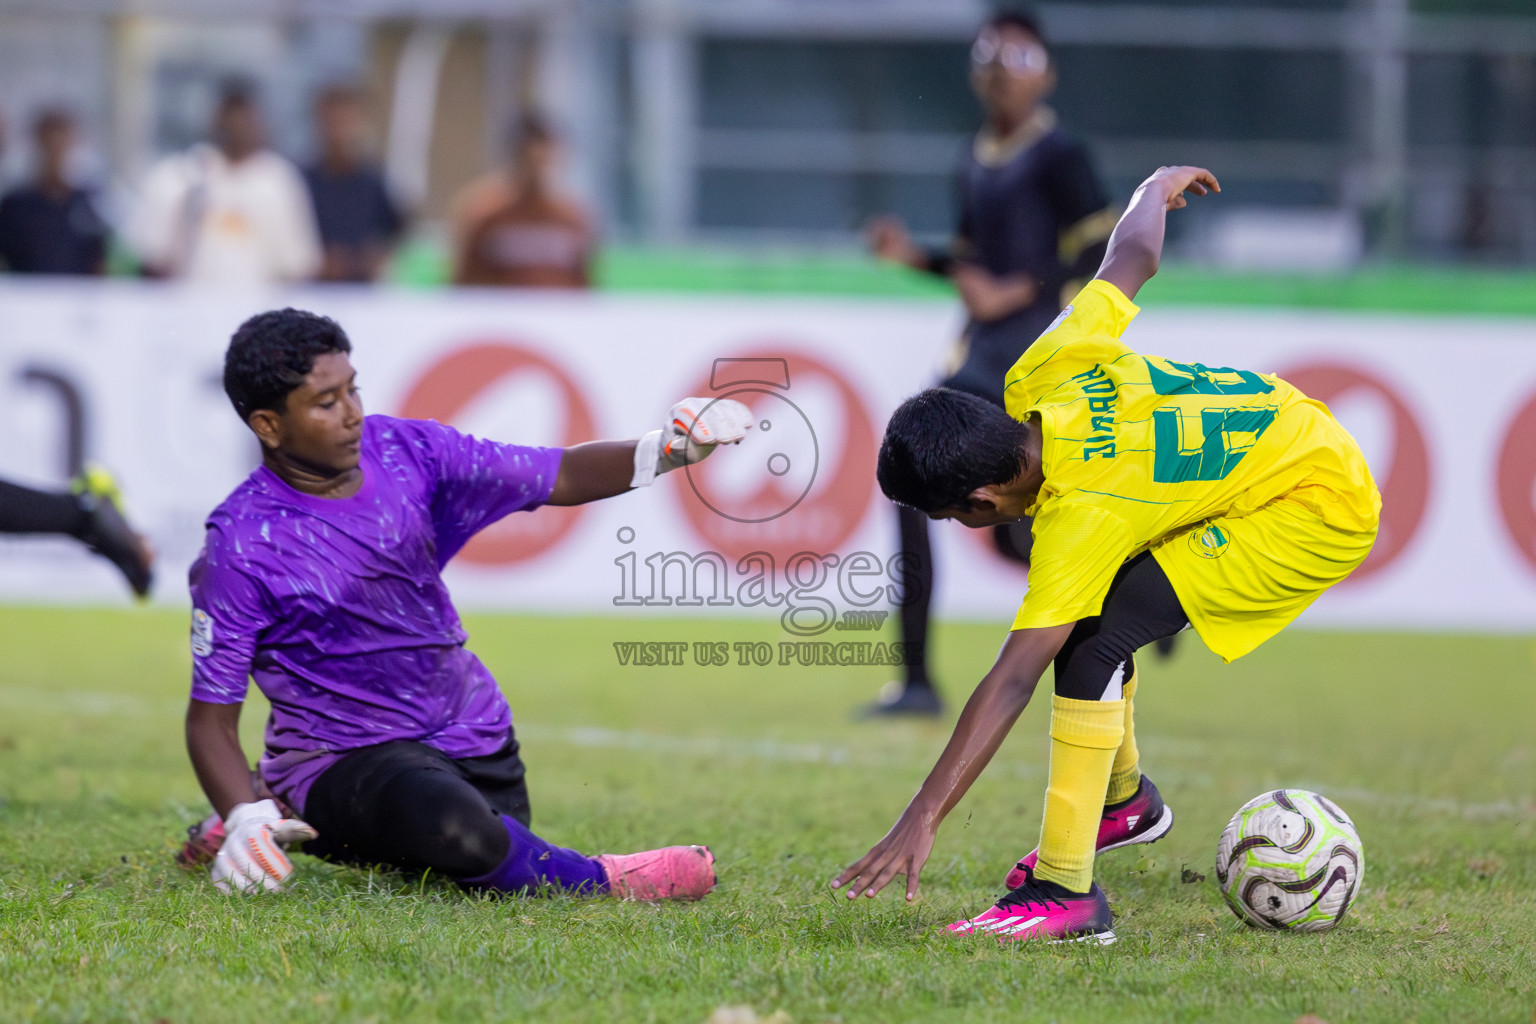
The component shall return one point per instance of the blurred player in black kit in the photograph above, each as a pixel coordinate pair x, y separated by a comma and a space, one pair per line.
89, 513
1034, 220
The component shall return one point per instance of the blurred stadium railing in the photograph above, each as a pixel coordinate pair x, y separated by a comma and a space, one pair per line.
1401, 128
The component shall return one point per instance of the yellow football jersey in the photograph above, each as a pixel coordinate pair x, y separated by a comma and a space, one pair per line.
1139, 448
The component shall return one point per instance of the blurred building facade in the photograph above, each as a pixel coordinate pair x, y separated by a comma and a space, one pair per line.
1398, 128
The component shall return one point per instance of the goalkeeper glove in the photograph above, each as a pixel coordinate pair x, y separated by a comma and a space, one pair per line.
693, 428
252, 857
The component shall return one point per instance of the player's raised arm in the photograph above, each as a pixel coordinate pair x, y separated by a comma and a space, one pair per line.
1136, 245
1001, 697
602, 469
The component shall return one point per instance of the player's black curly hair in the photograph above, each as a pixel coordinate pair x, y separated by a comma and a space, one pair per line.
272, 353
1019, 18
942, 444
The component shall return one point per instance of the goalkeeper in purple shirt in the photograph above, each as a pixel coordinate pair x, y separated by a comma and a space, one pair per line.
320, 578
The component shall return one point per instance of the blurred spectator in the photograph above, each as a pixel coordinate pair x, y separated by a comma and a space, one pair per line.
359, 222
471, 205
229, 213
50, 226
521, 230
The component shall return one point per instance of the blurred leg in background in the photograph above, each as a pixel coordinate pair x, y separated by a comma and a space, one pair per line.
88, 513
1014, 541
913, 693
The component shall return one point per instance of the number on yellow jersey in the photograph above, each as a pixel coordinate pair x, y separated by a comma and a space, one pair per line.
1213, 458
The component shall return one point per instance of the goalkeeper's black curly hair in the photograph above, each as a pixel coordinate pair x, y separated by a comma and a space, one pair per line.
272, 353
942, 444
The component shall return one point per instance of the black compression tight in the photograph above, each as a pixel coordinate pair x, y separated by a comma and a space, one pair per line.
412, 807
1140, 609
24, 510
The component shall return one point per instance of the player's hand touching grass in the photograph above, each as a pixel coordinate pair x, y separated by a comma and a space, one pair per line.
1000, 698
252, 858
903, 851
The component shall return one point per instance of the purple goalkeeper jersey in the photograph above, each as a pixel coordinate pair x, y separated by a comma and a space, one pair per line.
337, 607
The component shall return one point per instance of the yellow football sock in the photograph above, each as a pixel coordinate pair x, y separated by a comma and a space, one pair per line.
1084, 737
1125, 776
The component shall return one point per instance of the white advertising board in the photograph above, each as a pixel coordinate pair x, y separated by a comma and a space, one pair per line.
127, 374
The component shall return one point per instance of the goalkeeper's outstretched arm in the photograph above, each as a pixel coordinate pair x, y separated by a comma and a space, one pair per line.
1137, 243
602, 469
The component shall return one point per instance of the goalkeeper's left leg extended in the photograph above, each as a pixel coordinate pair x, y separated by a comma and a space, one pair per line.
410, 806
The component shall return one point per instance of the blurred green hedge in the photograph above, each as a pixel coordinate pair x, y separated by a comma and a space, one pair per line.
1405, 288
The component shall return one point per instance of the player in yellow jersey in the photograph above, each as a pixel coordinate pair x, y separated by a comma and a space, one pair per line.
1164, 494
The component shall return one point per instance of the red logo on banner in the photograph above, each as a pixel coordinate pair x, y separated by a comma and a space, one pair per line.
1517, 480
463, 375
804, 477
1405, 486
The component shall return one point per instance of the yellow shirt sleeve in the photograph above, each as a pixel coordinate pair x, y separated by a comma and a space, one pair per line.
1085, 334
1078, 549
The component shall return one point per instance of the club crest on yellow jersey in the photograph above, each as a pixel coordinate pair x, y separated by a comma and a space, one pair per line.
1211, 542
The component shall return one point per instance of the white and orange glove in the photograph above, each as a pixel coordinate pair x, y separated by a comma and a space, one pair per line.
252, 857
694, 427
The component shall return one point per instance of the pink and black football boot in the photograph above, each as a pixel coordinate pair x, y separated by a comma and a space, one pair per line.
670, 873
1144, 818
203, 842
1038, 909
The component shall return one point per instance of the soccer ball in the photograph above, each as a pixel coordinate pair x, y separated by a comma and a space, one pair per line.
1290, 860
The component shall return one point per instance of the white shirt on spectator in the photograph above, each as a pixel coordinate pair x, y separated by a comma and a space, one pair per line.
203, 218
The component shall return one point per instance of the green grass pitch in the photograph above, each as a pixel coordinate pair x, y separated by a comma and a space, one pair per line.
1427, 741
